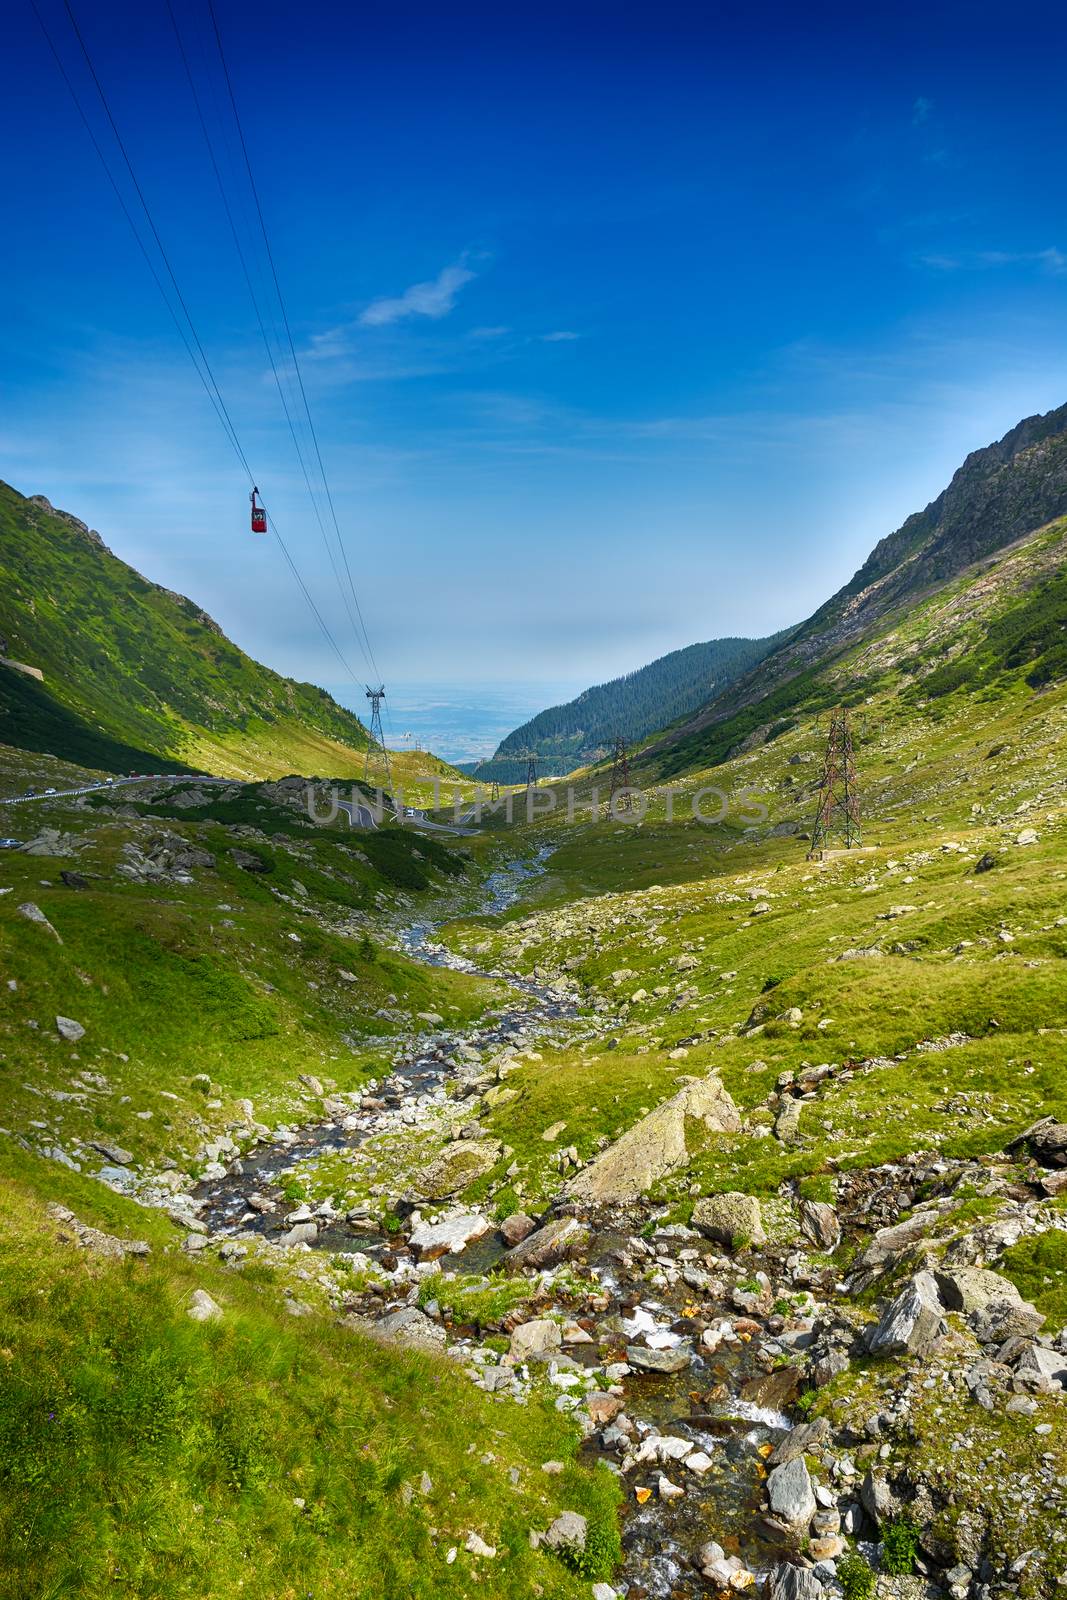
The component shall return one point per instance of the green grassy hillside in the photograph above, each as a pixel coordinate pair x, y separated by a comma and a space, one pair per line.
137, 678
1000, 495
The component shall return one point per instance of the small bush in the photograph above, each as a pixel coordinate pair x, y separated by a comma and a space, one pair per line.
898, 1548
855, 1577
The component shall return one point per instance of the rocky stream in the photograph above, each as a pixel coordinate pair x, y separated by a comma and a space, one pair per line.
681, 1357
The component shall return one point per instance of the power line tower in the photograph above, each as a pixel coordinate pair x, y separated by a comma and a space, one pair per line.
377, 737
620, 776
839, 801
531, 758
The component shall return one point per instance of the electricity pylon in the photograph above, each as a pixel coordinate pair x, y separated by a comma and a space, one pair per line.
839, 801
620, 776
377, 737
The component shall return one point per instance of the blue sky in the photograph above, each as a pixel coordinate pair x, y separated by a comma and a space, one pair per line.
622, 327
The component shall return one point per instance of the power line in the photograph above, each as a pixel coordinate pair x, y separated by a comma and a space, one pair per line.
259, 318
289, 334
210, 385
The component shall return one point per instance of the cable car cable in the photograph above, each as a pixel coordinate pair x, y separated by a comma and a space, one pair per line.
288, 331
211, 388
262, 326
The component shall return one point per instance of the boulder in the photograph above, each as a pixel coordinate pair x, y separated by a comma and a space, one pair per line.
913, 1322
886, 1247
537, 1337
460, 1164
202, 1308
970, 1289
786, 1582
568, 1532
820, 1224
676, 1360
516, 1228
408, 1326
1042, 1369
791, 1495
560, 1239
733, 1219
656, 1145
448, 1235
70, 1030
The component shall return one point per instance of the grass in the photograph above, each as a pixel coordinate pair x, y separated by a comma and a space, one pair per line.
1038, 1268
143, 1452
220, 976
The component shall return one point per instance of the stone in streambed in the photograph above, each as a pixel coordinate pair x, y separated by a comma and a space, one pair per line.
516, 1228
541, 1336
560, 1239
913, 1323
658, 1360
448, 1235
731, 1219
790, 1492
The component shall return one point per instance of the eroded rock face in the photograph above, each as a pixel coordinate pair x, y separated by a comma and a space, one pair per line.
820, 1224
730, 1219
656, 1145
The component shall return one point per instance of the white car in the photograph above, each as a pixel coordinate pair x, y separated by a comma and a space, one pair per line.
50, 791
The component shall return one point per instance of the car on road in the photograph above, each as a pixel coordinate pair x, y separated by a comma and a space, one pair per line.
10, 844
50, 791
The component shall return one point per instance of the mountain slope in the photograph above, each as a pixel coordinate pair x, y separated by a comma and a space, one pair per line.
134, 675
999, 495
634, 705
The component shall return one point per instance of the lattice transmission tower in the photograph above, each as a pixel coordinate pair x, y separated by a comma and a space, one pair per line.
377, 737
620, 776
839, 800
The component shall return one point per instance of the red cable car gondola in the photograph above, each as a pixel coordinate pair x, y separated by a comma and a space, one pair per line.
259, 515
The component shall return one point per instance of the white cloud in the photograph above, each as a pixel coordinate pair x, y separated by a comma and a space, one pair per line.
434, 299
1051, 260
920, 111
561, 336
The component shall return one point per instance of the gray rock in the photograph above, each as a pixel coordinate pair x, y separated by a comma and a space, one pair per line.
675, 1360
803, 1438
202, 1308
113, 1152
559, 1240
301, 1233
33, 913
535, 1338
793, 1583
913, 1322
791, 1495
656, 1145
462, 1163
568, 1532
449, 1235
970, 1289
1042, 1369
730, 1219
820, 1224
409, 1326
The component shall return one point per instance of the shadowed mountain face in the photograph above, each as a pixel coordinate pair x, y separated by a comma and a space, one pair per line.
635, 705
1000, 494
132, 674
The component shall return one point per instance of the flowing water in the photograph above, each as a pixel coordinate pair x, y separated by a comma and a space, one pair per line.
701, 1403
